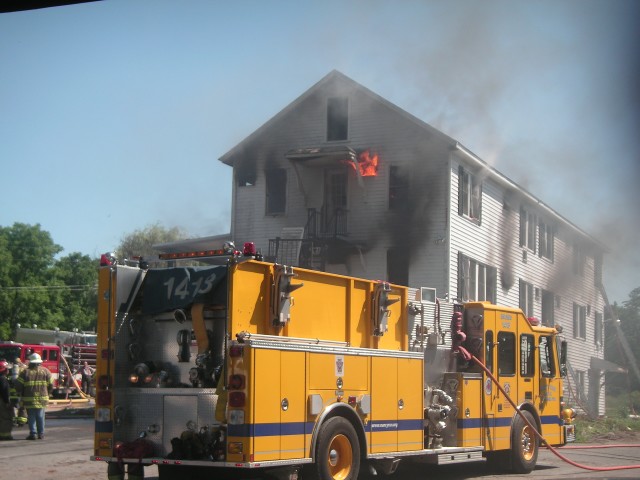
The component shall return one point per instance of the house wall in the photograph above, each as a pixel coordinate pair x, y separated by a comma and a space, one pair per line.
495, 241
371, 224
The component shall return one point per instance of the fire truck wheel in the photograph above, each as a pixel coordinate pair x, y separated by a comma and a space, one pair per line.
338, 451
524, 445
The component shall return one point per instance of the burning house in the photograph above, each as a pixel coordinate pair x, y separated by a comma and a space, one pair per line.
342, 180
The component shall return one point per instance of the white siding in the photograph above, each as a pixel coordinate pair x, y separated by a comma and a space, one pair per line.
430, 231
495, 241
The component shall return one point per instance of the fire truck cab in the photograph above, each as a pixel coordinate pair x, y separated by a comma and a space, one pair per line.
247, 364
50, 354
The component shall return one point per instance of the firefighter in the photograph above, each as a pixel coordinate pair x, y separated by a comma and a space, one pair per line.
18, 366
6, 408
34, 385
87, 374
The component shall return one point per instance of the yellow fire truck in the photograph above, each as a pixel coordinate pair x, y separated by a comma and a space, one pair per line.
239, 364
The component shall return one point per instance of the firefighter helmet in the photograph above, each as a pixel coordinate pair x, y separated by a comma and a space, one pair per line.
3, 366
35, 358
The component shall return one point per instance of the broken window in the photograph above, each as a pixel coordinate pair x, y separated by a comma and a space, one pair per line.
397, 266
398, 188
276, 191
337, 119
244, 170
469, 195
548, 308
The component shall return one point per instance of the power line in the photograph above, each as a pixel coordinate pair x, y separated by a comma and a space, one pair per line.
36, 288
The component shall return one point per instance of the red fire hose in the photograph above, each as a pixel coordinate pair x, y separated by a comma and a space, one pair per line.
468, 356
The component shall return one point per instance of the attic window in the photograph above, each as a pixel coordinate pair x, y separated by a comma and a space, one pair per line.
337, 119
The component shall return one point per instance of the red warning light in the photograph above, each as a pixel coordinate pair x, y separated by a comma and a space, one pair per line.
249, 249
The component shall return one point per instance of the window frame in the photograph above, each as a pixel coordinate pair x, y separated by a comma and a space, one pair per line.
548, 351
527, 358
526, 302
337, 119
598, 333
580, 384
547, 308
397, 266
478, 275
488, 350
579, 321
506, 354
579, 258
469, 195
546, 240
528, 229
275, 194
398, 188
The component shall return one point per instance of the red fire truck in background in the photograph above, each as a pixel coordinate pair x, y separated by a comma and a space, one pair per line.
62, 353
50, 354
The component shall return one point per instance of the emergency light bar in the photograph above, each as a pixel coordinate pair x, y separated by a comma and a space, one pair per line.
249, 250
201, 253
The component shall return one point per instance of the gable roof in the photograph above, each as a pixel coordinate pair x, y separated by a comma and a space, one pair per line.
332, 78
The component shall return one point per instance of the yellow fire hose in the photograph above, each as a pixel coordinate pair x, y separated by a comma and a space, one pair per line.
84, 397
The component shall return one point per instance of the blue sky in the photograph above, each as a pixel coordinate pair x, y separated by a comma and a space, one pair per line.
113, 114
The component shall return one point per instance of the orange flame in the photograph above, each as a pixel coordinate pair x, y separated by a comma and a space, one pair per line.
368, 164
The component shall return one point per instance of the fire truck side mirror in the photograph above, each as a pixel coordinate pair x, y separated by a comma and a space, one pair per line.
563, 358
380, 308
281, 299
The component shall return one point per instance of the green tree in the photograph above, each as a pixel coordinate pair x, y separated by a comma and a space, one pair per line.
27, 255
78, 274
140, 243
629, 315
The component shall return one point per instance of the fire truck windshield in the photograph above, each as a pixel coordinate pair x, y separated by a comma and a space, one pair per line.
9, 353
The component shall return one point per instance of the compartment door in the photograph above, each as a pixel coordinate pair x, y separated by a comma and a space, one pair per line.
384, 405
410, 404
292, 405
266, 405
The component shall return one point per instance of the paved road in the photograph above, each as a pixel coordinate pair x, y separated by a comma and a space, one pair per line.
65, 452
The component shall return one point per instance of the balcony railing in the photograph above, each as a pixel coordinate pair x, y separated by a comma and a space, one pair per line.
326, 223
305, 253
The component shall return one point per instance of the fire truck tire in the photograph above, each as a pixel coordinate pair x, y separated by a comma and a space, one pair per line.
338, 451
524, 445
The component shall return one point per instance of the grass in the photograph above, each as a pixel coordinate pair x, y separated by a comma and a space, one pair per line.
616, 424
588, 431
